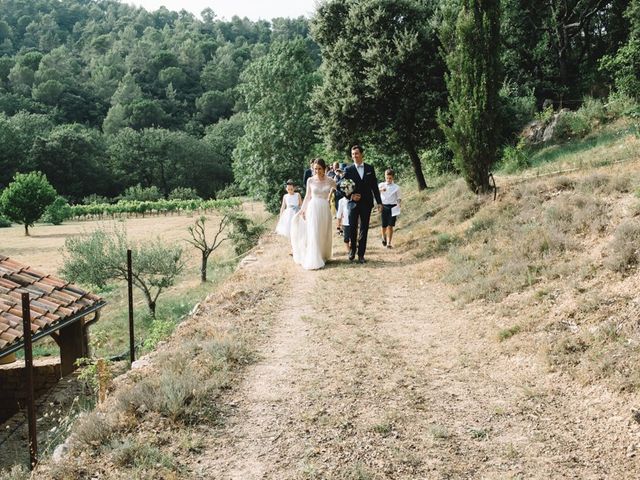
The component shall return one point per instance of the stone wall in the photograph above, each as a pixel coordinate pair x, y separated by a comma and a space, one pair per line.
46, 375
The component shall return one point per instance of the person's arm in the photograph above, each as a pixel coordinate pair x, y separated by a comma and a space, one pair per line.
284, 204
333, 188
399, 196
375, 189
307, 198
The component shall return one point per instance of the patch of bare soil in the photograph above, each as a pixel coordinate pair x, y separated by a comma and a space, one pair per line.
371, 371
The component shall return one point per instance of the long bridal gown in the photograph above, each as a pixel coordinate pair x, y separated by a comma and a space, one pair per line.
311, 237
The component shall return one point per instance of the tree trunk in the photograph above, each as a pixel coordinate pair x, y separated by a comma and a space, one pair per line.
26, 229
417, 166
203, 267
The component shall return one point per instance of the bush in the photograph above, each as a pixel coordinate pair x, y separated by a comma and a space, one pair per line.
621, 105
437, 160
515, 158
184, 193
4, 222
246, 232
623, 249
232, 190
57, 212
518, 107
95, 199
141, 194
571, 125
593, 111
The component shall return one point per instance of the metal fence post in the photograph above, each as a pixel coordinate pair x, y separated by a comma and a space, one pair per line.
132, 346
28, 366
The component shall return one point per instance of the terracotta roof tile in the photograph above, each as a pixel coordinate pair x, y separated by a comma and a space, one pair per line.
52, 300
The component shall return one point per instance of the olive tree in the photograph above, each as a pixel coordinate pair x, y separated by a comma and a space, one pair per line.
101, 256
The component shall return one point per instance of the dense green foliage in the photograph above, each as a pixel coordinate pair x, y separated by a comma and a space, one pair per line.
382, 75
471, 125
279, 132
102, 96
26, 198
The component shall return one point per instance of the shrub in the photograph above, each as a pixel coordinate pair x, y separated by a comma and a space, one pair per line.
4, 222
593, 111
57, 212
133, 453
91, 430
245, 234
232, 190
141, 194
571, 125
95, 199
620, 105
623, 249
183, 193
437, 160
515, 158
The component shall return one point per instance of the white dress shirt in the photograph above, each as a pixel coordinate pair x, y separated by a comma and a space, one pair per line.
343, 211
360, 169
391, 195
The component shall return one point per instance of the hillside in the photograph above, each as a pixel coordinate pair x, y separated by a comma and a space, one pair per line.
499, 340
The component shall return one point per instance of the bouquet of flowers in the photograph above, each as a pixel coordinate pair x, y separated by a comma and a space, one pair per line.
346, 186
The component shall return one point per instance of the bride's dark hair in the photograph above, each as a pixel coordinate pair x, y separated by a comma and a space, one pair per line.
321, 162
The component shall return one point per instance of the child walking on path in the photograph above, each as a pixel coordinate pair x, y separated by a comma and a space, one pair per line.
291, 202
391, 198
343, 221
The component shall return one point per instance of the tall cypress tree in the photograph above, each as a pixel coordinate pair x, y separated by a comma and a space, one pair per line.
472, 57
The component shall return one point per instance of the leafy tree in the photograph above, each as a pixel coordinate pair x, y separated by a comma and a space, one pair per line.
625, 65
73, 158
279, 131
26, 198
199, 240
57, 212
471, 125
101, 257
382, 75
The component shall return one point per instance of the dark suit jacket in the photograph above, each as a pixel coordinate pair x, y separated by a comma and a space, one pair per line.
308, 173
367, 186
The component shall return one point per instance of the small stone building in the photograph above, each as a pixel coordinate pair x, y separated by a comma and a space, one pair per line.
58, 309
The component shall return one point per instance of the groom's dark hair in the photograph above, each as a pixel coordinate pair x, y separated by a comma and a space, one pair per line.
358, 147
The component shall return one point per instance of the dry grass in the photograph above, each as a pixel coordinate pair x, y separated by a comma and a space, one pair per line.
542, 247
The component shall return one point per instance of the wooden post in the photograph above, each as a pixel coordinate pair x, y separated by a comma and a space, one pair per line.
28, 367
132, 346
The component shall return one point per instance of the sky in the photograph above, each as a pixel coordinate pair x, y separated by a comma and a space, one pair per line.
225, 9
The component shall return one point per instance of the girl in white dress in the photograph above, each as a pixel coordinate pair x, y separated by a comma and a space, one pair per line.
311, 228
291, 202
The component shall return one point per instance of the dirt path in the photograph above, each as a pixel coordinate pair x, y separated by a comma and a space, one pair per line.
370, 372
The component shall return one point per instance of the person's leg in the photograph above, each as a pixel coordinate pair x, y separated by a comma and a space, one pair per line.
389, 235
365, 216
384, 237
347, 238
353, 230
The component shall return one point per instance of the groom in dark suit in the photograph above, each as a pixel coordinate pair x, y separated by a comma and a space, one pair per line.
361, 201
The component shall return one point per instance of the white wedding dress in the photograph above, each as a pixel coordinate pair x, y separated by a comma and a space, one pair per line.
311, 236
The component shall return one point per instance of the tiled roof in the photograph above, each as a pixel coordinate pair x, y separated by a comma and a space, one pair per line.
52, 301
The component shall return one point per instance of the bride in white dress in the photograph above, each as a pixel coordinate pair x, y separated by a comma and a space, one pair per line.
311, 227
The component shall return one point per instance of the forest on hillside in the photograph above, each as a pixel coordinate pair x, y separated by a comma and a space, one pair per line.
101, 96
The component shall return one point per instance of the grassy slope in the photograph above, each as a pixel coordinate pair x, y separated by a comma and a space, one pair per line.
547, 255
556, 254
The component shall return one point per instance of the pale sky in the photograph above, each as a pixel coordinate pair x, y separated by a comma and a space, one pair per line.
225, 9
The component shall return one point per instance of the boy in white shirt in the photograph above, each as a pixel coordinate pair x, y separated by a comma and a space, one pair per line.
343, 221
391, 198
